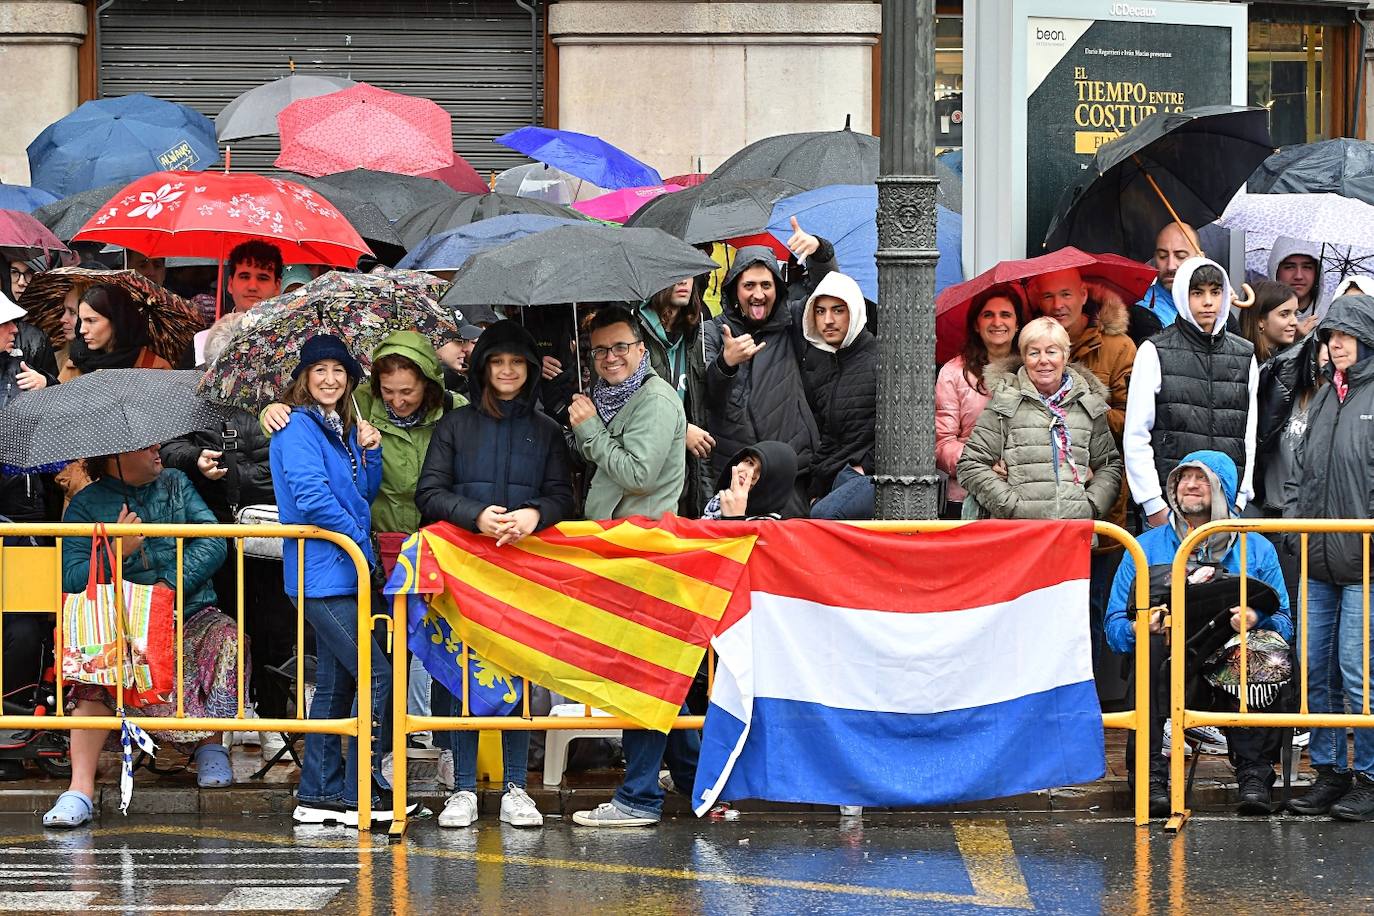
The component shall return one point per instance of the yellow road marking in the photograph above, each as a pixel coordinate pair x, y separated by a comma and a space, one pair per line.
985, 846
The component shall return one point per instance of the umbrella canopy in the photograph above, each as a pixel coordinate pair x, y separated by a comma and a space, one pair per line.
364, 127
172, 320
117, 140
721, 208
1344, 226
395, 195
450, 250
415, 227
1195, 159
206, 214
583, 155
1130, 278
25, 198
460, 176
103, 413
362, 215
619, 206
811, 159
577, 264
363, 310
846, 215
23, 236
1341, 166
254, 114
687, 179
66, 216
541, 181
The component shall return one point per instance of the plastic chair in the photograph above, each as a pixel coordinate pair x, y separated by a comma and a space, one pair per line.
556, 740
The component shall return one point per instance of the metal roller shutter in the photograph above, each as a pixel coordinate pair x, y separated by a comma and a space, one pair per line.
470, 56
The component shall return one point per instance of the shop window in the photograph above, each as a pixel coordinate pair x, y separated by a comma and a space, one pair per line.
1286, 75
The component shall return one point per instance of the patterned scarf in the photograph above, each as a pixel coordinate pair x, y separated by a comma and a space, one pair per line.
1342, 385
609, 399
403, 422
1060, 439
335, 422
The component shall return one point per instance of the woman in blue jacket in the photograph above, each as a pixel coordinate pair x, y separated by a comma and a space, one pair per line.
499, 468
326, 470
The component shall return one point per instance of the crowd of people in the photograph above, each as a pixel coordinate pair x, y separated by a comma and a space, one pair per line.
1065, 402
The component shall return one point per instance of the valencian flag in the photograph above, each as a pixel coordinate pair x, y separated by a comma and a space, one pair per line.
614, 614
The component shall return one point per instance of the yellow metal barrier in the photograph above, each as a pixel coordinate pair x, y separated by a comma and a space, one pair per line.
403, 723
31, 582
1184, 718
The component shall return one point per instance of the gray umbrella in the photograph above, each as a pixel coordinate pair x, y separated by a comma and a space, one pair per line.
365, 216
716, 209
254, 114
415, 227
65, 217
395, 195
590, 263
103, 413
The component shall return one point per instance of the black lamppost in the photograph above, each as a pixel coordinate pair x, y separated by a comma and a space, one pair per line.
907, 484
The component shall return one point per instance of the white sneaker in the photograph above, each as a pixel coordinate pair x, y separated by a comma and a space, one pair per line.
461, 810
1167, 750
608, 815
446, 777
518, 809
271, 743
1302, 739
1213, 741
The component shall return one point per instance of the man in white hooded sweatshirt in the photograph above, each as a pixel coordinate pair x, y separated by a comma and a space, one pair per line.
840, 374
1193, 387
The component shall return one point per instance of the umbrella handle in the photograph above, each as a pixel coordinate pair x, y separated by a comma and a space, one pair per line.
1249, 299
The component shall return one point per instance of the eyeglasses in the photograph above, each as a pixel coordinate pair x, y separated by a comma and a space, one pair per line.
599, 354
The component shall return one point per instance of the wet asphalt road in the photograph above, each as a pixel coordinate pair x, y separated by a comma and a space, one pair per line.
758, 864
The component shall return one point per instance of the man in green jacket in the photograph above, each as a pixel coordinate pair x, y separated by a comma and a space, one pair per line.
632, 428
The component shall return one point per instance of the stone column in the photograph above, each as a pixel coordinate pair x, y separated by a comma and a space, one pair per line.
38, 68
683, 84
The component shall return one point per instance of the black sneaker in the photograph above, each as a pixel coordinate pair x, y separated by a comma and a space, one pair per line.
1160, 804
323, 813
1256, 798
382, 812
1329, 788
1358, 803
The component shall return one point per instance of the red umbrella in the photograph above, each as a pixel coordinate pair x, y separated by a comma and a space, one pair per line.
460, 176
25, 236
688, 179
1129, 278
364, 127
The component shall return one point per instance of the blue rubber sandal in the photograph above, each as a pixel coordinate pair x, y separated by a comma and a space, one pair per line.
72, 809
212, 767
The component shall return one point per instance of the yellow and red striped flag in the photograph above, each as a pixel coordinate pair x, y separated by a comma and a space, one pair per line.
617, 614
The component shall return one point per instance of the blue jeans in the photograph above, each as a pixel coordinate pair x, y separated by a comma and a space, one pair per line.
640, 794
1335, 661
324, 774
850, 498
515, 745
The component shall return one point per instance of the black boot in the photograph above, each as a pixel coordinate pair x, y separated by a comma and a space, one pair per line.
1160, 805
1329, 788
1358, 803
1254, 793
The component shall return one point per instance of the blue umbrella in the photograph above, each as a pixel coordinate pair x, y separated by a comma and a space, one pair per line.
846, 216
450, 250
116, 140
22, 197
589, 158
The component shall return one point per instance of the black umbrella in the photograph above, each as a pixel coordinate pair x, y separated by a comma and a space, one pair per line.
716, 209
1341, 166
589, 263
103, 413
1207, 612
812, 159
415, 227
65, 217
1183, 166
370, 222
395, 195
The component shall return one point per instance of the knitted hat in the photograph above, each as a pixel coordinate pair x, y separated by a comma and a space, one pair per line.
327, 346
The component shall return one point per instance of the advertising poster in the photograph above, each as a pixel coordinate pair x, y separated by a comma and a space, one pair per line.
1090, 80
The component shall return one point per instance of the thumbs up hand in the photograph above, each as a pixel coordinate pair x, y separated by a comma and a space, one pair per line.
802, 243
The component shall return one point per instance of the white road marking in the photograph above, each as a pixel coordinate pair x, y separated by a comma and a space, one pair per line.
29, 901
30, 879
181, 851
45, 867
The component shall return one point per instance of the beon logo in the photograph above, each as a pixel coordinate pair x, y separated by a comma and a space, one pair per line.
1133, 11
1049, 34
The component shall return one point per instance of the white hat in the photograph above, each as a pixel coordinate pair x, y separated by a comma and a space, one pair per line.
9, 311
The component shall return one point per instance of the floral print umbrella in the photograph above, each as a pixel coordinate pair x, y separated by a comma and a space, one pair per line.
363, 310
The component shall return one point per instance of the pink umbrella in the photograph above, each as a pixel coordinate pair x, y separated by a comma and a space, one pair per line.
364, 127
618, 206
25, 237
460, 176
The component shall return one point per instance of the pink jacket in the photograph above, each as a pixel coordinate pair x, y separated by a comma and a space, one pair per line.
957, 406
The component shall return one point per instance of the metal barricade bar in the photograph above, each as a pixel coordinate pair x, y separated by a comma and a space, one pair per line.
345, 727
404, 723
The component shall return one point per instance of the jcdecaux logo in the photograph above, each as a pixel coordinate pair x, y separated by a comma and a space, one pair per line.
1133, 11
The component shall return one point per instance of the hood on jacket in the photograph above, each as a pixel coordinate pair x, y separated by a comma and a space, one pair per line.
505, 336
1358, 281
1183, 277
1285, 246
837, 286
747, 257
1109, 312
776, 485
415, 347
1224, 479
1353, 315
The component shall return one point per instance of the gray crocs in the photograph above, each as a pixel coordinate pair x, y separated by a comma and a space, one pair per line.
72, 809
212, 767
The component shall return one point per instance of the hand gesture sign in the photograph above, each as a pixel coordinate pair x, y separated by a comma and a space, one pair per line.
739, 349
802, 243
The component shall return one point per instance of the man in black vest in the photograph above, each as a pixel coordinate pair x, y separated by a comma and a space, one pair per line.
1192, 387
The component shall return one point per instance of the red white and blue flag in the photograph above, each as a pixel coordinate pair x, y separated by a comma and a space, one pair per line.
877, 669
